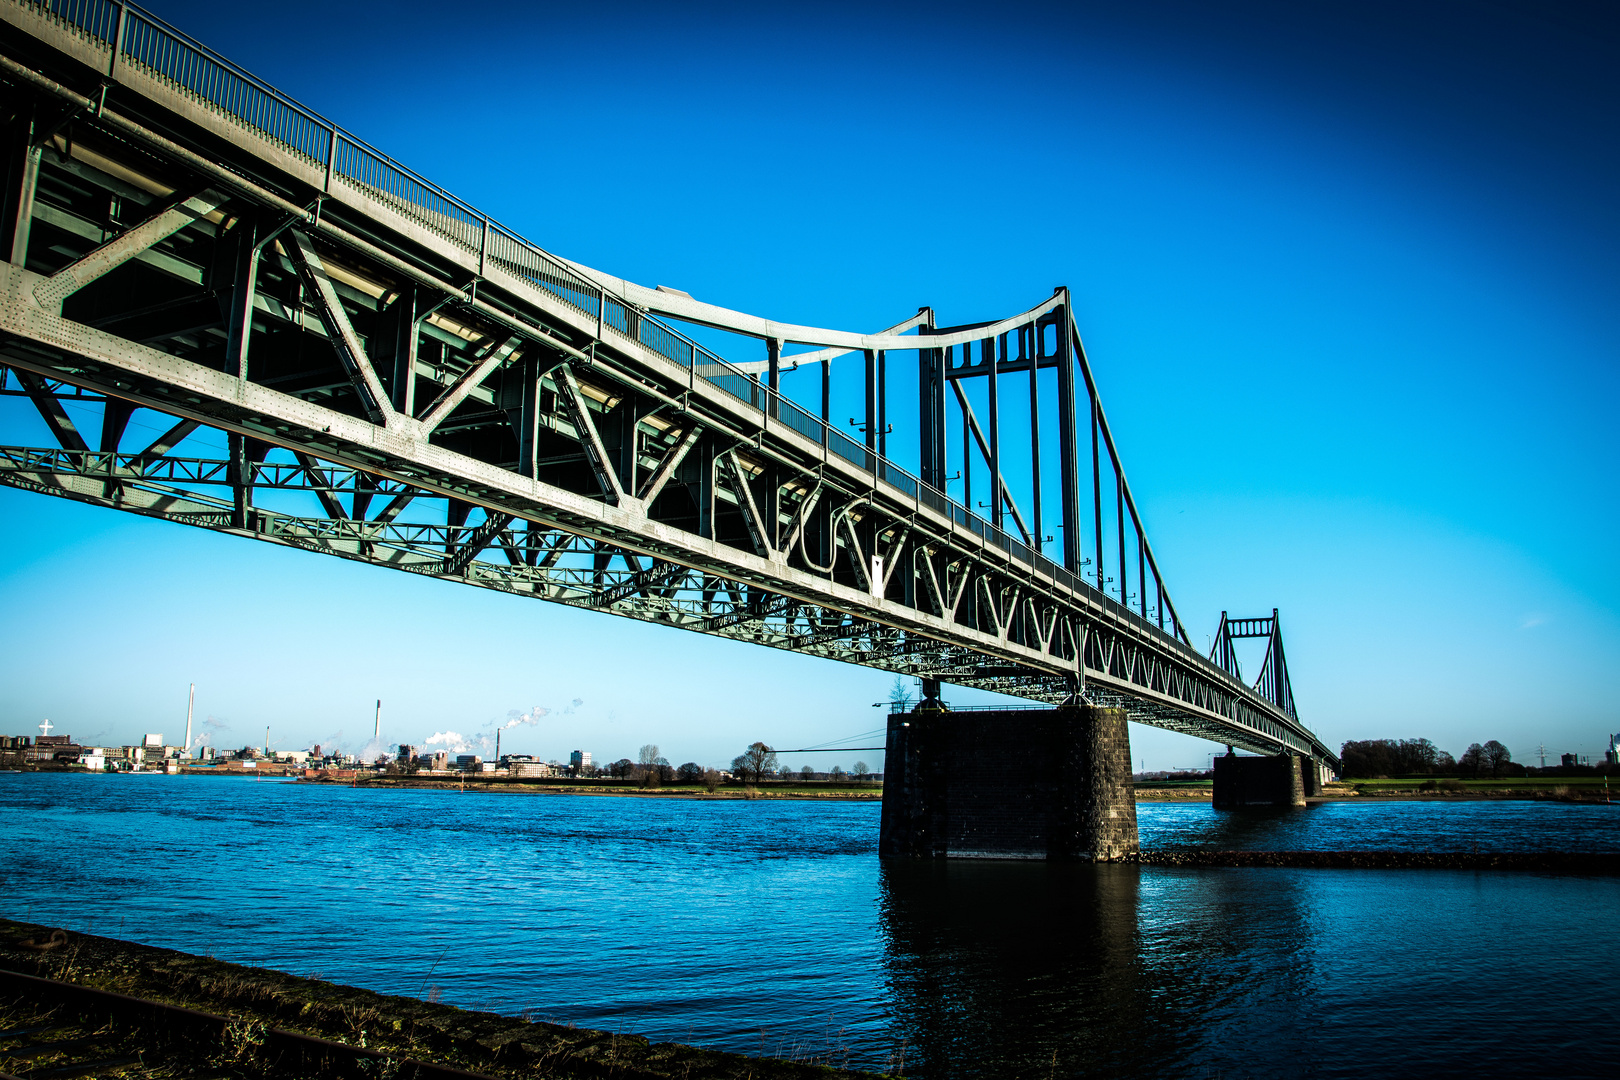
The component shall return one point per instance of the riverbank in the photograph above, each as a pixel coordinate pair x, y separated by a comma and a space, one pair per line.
1554, 862
813, 790
1555, 789
1581, 789
260, 1001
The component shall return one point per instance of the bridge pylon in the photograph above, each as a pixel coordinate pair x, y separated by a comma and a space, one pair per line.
1008, 783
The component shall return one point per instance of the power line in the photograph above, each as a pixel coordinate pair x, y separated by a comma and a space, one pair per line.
827, 746
828, 749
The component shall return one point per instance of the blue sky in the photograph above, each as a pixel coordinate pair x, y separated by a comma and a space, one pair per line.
1346, 274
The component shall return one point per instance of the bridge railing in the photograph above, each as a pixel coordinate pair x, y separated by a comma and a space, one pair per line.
210, 80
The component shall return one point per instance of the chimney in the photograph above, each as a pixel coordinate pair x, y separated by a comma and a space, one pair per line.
185, 748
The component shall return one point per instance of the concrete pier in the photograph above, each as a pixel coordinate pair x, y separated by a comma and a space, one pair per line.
1281, 780
1008, 784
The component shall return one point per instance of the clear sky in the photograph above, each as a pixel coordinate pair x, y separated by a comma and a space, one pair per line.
1347, 275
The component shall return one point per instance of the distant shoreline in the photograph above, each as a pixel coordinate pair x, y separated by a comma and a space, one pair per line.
1558, 862
1580, 790
797, 793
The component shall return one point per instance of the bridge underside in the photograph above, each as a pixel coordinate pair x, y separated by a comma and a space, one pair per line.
328, 354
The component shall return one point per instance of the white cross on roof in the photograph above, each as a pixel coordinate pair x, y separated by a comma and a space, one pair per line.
45, 728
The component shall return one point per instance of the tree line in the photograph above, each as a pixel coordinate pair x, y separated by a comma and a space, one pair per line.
753, 765
1373, 758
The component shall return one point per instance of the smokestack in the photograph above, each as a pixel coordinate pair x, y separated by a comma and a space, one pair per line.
497, 746
376, 732
267, 740
190, 699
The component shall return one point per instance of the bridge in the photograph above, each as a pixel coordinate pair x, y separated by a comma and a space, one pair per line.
344, 358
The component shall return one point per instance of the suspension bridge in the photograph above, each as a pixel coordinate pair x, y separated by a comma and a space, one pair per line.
329, 352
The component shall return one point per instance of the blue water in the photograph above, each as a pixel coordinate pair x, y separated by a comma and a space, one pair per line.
771, 926
1431, 824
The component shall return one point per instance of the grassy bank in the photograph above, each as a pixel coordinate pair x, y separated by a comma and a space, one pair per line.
1551, 788
258, 999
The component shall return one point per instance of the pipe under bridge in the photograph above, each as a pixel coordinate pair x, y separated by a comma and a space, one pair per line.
327, 351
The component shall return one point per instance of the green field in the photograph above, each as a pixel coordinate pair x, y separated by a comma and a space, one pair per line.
1585, 787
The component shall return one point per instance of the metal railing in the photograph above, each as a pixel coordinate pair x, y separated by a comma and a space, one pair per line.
197, 72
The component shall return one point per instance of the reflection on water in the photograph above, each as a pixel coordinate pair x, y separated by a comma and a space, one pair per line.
1006, 969
1035, 970
771, 925
1028, 966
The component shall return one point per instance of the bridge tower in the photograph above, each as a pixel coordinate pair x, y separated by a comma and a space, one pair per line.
1285, 779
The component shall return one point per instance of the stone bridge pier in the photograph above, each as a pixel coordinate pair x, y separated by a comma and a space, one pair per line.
1277, 780
1008, 784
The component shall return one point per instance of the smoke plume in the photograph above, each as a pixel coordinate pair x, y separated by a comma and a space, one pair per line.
454, 742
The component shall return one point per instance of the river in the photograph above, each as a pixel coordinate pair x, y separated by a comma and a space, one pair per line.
769, 926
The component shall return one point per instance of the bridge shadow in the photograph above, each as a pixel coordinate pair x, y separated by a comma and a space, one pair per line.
1005, 969
1247, 828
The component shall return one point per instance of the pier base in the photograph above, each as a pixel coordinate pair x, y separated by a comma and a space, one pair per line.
1008, 784
1313, 776
1261, 781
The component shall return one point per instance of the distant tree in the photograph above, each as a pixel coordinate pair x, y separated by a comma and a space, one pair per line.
861, 771
621, 768
1472, 762
807, 773
837, 772
1444, 763
689, 772
752, 764
1417, 756
1369, 758
787, 772
900, 693
1388, 757
711, 780
1495, 757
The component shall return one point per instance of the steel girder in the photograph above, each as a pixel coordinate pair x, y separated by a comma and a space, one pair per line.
515, 439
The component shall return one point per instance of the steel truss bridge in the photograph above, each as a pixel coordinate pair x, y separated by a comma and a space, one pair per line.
339, 356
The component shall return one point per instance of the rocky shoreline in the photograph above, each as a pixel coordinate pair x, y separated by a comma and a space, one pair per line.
447, 1037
